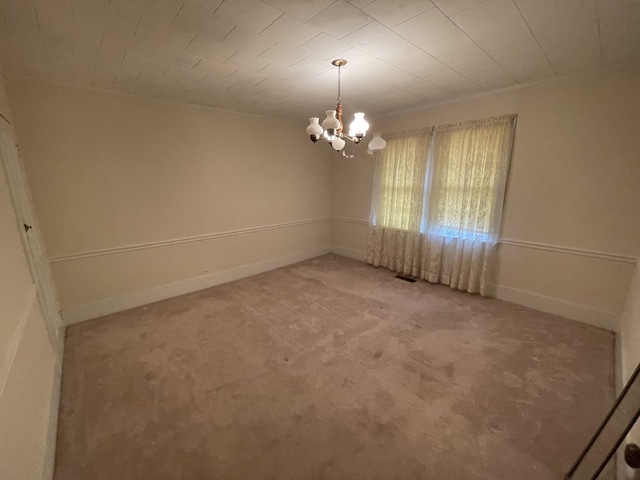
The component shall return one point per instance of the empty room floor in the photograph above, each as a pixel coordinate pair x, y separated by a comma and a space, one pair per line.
330, 369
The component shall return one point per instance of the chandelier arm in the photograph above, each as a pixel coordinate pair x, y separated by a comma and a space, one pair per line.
353, 139
344, 136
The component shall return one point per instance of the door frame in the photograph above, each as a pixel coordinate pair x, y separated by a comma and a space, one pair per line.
32, 242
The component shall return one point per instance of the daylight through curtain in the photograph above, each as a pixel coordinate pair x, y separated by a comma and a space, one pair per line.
465, 196
398, 202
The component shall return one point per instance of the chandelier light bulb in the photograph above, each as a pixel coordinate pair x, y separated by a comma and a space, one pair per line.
377, 142
359, 126
338, 144
314, 129
331, 122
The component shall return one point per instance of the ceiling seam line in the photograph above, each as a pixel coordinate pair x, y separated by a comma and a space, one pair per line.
137, 27
473, 41
599, 27
535, 38
279, 17
484, 51
176, 15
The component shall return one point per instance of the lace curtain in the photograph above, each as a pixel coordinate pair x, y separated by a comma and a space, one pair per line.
398, 204
455, 219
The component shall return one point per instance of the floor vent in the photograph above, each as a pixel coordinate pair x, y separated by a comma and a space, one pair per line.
405, 278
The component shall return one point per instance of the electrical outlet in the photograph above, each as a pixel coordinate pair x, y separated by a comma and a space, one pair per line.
206, 271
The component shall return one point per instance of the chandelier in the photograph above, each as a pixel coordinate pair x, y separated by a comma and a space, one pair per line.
331, 129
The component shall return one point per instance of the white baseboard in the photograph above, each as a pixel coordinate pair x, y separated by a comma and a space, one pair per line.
87, 311
79, 313
348, 252
597, 318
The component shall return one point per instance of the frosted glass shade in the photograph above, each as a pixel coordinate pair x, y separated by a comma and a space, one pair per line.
377, 142
337, 144
359, 126
314, 127
331, 122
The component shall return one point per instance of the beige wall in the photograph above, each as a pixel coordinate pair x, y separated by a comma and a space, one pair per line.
29, 373
111, 171
573, 183
120, 183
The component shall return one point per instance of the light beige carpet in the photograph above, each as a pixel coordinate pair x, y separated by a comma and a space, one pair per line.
330, 369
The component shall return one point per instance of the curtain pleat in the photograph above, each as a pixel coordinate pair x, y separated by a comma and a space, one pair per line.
395, 249
463, 264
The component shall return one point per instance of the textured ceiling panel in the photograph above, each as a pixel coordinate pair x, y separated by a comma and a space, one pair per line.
274, 57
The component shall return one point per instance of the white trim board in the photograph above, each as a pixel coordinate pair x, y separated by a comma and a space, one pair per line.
349, 252
359, 221
583, 252
107, 306
613, 257
580, 313
79, 313
177, 241
597, 318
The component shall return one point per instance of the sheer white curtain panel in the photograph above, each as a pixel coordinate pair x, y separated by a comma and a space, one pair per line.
398, 202
466, 188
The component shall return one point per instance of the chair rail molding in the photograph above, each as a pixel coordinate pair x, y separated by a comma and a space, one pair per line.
351, 220
614, 257
177, 241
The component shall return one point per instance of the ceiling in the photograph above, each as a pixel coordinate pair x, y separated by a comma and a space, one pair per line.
274, 57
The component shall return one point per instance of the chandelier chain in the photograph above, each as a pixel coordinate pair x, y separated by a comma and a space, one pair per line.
339, 99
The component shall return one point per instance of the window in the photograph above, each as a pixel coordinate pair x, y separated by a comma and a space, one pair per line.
448, 183
401, 178
469, 172
437, 203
